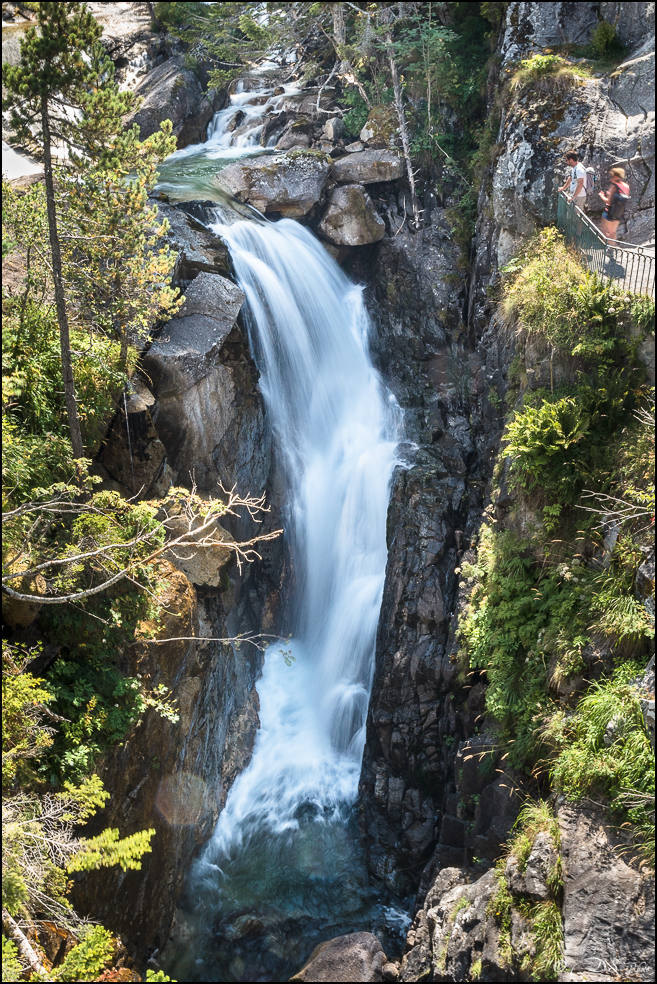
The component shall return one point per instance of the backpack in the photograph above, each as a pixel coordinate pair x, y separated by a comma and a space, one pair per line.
590, 180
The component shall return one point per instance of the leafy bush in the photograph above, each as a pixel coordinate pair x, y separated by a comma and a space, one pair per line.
604, 747
605, 41
549, 295
541, 444
12, 969
86, 960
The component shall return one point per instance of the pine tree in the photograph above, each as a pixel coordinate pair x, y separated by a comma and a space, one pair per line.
50, 79
103, 239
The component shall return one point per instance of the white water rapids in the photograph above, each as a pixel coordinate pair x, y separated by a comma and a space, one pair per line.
285, 856
337, 431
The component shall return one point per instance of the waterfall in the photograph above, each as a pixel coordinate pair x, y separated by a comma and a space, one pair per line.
336, 429
285, 866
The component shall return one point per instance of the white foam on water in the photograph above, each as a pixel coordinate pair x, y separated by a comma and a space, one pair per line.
337, 430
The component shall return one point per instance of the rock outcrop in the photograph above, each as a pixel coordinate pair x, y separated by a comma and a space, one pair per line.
288, 184
172, 92
350, 218
608, 905
355, 957
368, 167
204, 386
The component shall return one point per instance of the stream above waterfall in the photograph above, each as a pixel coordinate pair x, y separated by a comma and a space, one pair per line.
285, 867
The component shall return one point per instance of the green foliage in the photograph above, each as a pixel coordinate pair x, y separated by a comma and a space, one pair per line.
108, 849
605, 42
512, 624
12, 969
86, 961
541, 442
152, 975
642, 313
228, 35
24, 736
356, 118
545, 75
603, 748
548, 295
547, 930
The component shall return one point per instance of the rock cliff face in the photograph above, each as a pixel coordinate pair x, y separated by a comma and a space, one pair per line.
431, 798
195, 414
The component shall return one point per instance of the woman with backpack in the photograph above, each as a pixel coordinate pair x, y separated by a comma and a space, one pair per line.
615, 200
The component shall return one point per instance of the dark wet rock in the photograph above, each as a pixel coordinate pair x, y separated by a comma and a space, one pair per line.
355, 957
290, 184
199, 250
368, 167
187, 347
350, 218
133, 453
453, 931
172, 92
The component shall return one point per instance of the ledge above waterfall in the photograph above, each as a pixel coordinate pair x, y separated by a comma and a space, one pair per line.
286, 183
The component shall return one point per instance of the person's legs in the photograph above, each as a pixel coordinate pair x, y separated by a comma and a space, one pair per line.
612, 229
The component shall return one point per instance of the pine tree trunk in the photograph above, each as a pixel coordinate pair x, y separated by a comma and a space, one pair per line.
60, 300
403, 129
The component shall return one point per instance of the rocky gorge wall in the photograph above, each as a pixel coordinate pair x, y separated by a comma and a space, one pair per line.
196, 415
428, 808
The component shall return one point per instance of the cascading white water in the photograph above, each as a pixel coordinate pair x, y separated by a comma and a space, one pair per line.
337, 432
284, 867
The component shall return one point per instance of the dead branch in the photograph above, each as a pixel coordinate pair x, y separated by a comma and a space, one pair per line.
25, 949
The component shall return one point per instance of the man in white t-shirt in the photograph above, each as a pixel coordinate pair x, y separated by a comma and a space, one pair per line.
576, 180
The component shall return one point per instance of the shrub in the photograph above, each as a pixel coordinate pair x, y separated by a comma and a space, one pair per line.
544, 74
86, 960
604, 745
542, 441
12, 969
605, 41
548, 295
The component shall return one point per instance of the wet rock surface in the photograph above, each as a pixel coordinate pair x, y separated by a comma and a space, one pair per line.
355, 957
288, 184
172, 92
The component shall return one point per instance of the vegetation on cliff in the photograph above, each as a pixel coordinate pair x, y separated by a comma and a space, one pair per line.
557, 624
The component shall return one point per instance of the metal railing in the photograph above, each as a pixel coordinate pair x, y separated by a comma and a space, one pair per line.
633, 267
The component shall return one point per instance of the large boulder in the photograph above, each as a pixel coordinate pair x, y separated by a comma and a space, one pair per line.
368, 167
186, 350
199, 250
355, 957
172, 92
290, 184
351, 219
381, 129
194, 388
